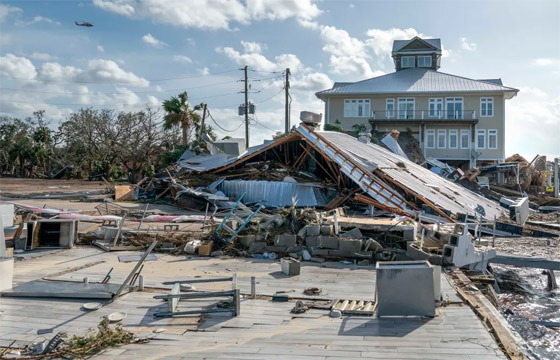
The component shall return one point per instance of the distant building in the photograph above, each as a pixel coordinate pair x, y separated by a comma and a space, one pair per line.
455, 119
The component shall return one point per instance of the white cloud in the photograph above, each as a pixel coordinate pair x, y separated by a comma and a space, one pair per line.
100, 48
252, 47
350, 65
6, 10
122, 7
351, 6
532, 115
313, 25
338, 42
182, 59
17, 67
37, 19
547, 62
381, 41
42, 56
468, 45
205, 71
153, 41
211, 14
312, 82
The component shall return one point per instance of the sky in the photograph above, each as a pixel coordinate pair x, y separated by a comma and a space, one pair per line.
141, 52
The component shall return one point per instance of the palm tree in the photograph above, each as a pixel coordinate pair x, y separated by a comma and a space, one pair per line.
179, 112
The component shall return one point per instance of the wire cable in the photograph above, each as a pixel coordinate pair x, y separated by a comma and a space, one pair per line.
224, 129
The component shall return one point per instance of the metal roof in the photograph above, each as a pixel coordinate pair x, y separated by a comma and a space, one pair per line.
399, 44
493, 81
417, 80
438, 190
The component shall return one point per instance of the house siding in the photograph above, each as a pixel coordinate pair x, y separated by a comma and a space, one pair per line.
471, 102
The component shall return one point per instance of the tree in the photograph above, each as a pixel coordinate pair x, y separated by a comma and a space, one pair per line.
179, 112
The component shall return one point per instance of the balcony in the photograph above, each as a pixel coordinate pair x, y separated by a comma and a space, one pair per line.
424, 116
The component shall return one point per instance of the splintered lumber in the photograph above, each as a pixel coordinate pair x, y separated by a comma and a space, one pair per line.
489, 314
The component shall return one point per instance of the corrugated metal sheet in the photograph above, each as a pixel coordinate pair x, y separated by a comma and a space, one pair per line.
416, 80
275, 193
441, 192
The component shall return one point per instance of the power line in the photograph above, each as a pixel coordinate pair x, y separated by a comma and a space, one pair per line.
218, 125
265, 100
116, 82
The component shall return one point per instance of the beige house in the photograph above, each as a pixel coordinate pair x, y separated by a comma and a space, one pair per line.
455, 119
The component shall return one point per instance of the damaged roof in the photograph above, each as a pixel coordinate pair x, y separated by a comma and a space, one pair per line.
376, 170
407, 174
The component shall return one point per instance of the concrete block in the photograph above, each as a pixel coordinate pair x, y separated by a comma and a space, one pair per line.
312, 241
355, 233
296, 249
342, 253
276, 249
405, 288
326, 230
409, 235
246, 240
313, 230
328, 242
437, 283
286, 240
318, 252
352, 245
290, 266
257, 247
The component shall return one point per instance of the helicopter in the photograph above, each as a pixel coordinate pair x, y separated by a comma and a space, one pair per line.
87, 24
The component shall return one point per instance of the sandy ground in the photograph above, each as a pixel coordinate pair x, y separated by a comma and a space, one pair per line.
28, 187
548, 248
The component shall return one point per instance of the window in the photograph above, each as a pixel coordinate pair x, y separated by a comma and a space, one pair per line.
390, 108
492, 139
430, 139
356, 108
407, 61
465, 135
486, 107
424, 61
406, 108
454, 107
481, 139
453, 139
441, 139
436, 108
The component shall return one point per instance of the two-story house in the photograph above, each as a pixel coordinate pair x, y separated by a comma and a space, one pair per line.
455, 119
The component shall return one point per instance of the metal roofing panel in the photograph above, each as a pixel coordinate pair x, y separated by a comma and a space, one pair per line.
416, 80
441, 192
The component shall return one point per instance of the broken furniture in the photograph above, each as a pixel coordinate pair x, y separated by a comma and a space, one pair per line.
223, 225
405, 288
175, 296
290, 266
51, 233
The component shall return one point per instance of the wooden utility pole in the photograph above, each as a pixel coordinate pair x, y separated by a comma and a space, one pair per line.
202, 122
246, 108
287, 110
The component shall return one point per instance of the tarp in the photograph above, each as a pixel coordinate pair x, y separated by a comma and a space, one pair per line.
393, 145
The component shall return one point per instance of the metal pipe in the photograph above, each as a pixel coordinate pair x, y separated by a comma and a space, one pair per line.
253, 287
193, 281
197, 295
191, 312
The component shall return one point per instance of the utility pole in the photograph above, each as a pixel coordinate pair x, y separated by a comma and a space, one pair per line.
246, 108
202, 122
287, 110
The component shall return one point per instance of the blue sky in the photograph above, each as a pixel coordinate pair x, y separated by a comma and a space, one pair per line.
142, 51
